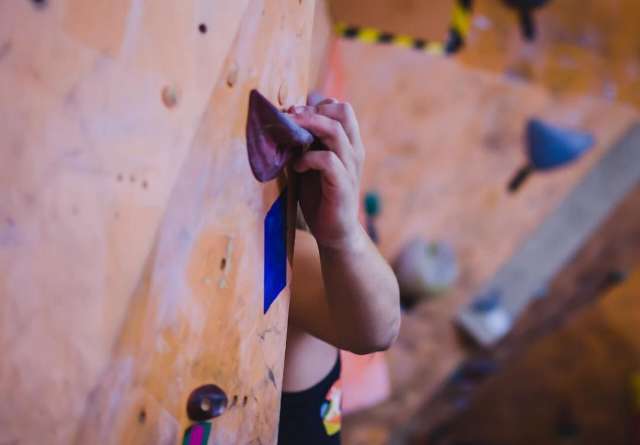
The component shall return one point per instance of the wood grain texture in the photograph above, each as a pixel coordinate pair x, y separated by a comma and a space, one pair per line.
131, 228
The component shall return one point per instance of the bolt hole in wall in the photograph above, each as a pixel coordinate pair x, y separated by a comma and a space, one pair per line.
39, 3
202, 28
169, 96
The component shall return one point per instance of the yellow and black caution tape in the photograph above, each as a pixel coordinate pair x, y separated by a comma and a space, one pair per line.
458, 32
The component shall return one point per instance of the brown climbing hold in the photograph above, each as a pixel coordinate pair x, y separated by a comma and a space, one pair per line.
273, 138
206, 402
232, 76
170, 96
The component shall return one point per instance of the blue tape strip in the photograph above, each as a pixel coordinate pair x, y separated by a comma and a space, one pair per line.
275, 250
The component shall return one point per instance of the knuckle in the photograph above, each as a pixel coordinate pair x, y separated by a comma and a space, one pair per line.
342, 112
336, 125
333, 127
332, 159
348, 110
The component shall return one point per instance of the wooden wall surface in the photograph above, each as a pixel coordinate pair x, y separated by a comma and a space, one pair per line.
573, 386
131, 228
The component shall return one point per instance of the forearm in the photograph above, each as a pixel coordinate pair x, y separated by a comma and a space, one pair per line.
362, 294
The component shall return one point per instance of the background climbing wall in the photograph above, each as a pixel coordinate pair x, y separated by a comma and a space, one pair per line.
444, 138
131, 228
441, 155
555, 394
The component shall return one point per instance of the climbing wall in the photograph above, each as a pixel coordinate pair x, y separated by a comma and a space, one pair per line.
443, 140
132, 232
454, 141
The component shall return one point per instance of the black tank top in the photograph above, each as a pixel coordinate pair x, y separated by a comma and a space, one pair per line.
313, 416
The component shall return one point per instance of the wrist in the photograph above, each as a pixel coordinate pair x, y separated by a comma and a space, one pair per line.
353, 241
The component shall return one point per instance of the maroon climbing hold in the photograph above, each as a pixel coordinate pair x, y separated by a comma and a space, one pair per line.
206, 402
273, 138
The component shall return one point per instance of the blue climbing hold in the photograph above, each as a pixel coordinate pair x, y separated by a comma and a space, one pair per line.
487, 302
550, 147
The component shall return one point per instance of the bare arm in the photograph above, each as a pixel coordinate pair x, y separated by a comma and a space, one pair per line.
344, 292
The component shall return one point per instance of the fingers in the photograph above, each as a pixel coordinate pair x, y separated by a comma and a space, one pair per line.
327, 163
343, 113
316, 98
330, 132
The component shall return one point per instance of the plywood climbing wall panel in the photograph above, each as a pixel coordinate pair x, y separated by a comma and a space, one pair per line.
131, 228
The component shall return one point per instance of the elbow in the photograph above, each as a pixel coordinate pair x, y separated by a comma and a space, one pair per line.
382, 340
390, 336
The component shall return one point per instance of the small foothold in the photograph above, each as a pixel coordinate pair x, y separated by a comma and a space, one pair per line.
119, 177
170, 96
372, 203
39, 3
223, 263
245, 399
202, 28
206, 402
372, 209
145, 184
232, 76
487, 302
142, 416
283, 94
